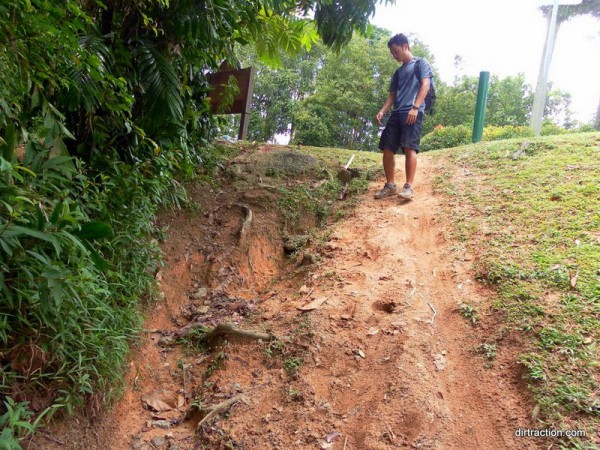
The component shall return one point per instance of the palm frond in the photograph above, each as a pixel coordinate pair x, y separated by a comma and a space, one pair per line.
160, 84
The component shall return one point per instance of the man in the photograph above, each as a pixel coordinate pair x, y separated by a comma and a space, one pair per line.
408, 89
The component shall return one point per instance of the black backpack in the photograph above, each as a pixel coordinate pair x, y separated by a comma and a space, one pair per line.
430, 97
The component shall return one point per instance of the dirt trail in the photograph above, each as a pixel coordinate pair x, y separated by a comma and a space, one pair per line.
390, 363
394, 363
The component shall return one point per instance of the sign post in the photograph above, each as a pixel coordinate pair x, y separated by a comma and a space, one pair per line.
482, 92
219, 82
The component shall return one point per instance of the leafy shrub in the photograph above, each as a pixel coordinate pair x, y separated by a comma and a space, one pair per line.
14, 424
550, 128
76, 256
446, 137
453, 136
585, 128
492, 133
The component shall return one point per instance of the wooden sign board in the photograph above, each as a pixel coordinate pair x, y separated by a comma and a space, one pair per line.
241, 102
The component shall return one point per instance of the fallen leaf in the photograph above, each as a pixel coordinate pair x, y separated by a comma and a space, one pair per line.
159, 401
180, 401
361, 353
332, 436
314, 304
573, 279
304, 289
372, 331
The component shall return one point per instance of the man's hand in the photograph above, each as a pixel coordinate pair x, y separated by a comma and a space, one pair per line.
379, 117
412, 117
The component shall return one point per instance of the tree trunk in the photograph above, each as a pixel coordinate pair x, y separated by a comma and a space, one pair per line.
539, 99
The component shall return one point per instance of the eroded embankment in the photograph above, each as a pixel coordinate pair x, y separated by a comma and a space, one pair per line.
381, 359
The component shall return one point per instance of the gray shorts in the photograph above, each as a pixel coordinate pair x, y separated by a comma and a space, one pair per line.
398, 135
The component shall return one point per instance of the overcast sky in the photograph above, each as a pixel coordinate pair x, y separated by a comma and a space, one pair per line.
505, 38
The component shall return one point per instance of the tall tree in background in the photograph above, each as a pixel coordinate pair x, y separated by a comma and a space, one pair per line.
564, 13
279, 90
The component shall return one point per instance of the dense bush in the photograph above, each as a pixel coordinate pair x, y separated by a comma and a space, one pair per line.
77, 252
446, 137
492, 133
550, 128
453, 136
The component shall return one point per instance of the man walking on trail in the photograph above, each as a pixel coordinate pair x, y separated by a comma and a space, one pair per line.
408, 89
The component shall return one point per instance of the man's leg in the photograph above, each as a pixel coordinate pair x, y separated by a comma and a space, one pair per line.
410, 164
389, 166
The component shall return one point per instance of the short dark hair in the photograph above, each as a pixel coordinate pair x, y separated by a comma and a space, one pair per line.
398, 39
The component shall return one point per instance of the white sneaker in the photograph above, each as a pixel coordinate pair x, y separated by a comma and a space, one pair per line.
407, 192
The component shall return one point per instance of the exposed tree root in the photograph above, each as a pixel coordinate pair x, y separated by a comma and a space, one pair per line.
221, 331
214, 410
247, 221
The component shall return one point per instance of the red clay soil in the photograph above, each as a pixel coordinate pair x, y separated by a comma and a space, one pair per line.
385, 361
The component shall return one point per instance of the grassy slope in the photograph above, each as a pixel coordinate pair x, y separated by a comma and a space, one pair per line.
532, 217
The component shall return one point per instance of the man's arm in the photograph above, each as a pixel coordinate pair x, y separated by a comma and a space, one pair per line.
412, 114
387, 105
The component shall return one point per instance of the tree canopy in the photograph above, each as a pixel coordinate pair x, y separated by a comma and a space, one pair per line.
327, 98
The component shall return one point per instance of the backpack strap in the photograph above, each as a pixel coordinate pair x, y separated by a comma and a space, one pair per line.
416, 68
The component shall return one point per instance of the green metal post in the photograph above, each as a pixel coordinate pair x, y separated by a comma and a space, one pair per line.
484, 84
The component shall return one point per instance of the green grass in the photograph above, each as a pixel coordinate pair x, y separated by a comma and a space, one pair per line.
312, 203
534, 222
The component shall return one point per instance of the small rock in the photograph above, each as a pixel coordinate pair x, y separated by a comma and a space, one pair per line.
308, 259
200, 293
158, 441
164, 424
200, 310
440, 362
166, 341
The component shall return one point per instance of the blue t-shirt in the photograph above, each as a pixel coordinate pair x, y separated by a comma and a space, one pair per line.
406, 85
